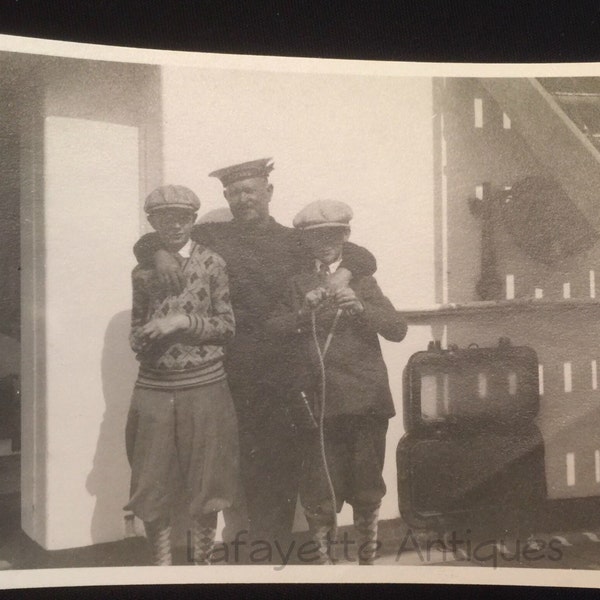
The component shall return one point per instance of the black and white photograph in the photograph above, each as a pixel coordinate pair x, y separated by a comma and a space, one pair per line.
294, 319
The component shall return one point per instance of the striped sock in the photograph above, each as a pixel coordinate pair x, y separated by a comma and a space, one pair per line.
365, 524
205, 530
159, 535
321, 530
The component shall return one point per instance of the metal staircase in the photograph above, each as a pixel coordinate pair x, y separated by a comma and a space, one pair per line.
559, 118
579, 98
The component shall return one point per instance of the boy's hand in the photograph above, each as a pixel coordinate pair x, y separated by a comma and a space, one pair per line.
346, 299
340, 279
159, 328
314, 299
169, 272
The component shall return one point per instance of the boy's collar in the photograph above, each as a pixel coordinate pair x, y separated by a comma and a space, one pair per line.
186, 250
333, 267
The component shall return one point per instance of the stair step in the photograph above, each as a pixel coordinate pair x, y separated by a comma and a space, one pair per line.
583, 108
577, 97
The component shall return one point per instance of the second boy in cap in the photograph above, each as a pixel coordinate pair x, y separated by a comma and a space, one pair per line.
345, 380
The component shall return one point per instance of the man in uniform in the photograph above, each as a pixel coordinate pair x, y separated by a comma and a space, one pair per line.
260, 255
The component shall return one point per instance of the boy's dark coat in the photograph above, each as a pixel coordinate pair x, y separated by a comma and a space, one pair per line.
357, 381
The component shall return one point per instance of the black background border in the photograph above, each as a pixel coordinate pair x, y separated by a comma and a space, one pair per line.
488, 31
417, 30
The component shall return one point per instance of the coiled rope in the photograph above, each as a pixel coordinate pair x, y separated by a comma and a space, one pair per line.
321, 354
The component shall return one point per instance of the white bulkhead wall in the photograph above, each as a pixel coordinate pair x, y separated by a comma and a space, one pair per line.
364, 140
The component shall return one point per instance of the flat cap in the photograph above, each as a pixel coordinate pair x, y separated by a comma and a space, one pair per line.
171, 196
254, 168
323, 213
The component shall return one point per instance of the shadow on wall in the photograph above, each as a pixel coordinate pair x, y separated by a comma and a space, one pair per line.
109, 478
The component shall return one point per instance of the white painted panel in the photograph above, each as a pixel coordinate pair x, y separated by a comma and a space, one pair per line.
91, 222
570, 462
510, 287
444, 209
512, 383
568, 377
482, 385
478, 112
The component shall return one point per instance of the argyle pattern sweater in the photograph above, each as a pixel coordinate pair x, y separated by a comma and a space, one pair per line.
192, 357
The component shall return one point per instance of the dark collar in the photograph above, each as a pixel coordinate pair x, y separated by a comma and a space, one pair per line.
264, 227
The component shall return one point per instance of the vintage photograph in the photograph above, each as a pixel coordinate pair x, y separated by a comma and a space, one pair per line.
264, 314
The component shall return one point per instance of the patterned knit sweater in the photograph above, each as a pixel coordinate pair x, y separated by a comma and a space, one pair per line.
192, 357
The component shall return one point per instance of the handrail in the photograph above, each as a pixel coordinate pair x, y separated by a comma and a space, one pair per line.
443, 312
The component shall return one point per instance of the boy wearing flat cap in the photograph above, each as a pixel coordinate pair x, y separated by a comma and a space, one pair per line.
181, 429
344, 382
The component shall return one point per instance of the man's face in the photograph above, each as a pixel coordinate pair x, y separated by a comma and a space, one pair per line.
249, 199
174, 226
326, 243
